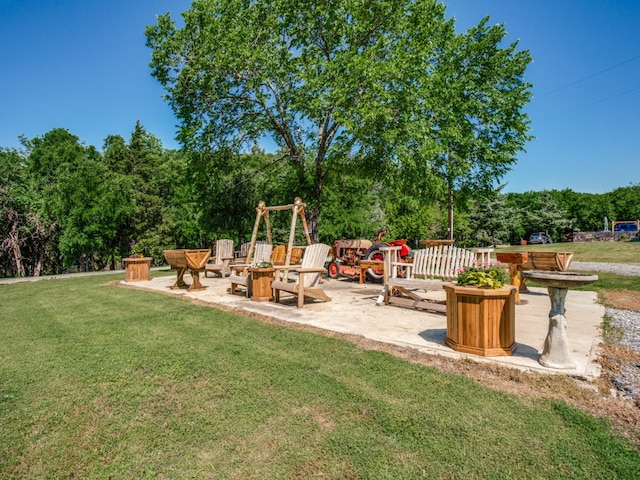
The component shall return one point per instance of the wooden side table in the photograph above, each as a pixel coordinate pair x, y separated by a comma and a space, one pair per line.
137, 269
483, 255
260, 280
435, 243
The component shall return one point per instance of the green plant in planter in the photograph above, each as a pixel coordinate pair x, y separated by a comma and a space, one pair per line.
262, 264
136, 251
493, 275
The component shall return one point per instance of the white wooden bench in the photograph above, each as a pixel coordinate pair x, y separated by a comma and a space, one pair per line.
431, 269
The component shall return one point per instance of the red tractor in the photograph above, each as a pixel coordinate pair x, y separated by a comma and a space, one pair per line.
348, 253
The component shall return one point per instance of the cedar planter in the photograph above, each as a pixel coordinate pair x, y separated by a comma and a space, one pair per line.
261, 279
481, 321
137, 269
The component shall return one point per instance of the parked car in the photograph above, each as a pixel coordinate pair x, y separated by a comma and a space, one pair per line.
569, 237
627, 227
540, 237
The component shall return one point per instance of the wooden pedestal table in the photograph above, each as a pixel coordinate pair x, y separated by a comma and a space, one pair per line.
194, 260
260, 283
481, 321
515, 261
137, 269
556, 353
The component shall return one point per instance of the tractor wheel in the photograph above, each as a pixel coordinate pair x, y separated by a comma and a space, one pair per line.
333, 270
374, 253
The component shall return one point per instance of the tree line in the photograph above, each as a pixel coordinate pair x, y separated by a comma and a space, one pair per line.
381, 116
66, 206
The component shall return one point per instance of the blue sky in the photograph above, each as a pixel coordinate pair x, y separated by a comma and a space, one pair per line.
83, 65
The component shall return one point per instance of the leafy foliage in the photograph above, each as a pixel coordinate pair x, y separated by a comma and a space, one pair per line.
493, 221
494, 275
390, 84
65, 206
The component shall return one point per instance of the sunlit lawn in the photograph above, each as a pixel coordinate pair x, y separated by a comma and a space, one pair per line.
100, 381
611, 252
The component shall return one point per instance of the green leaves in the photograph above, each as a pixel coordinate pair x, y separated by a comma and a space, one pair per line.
493, 276
387, 83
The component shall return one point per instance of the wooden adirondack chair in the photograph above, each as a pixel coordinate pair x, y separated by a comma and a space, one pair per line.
223, 255
240, 276
309, 275
241, 255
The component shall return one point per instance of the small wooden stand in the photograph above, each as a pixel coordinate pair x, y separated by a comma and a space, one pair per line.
546, 261
137, 269
435, 243
261, 279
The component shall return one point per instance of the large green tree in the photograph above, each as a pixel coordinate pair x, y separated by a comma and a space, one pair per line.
15, 213
475, 113
81, 196
154, 182
340, 82
494, 222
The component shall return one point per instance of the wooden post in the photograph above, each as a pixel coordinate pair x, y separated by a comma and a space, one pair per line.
515, 261
254, 234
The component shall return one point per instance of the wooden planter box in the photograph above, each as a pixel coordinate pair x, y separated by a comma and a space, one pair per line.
481, 321
137, 269
261, 279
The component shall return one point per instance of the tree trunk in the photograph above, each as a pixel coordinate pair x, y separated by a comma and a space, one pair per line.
315, 211
37, 267
450, 213
313, 217
15, 249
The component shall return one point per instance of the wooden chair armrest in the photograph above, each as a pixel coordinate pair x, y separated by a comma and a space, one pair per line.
286, 267
406, 266
311, 270
239, 268
240, 265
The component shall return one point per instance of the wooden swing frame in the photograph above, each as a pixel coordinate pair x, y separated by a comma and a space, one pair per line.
262, 213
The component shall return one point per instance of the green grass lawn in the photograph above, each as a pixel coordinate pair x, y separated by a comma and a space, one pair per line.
100, 381
611, 252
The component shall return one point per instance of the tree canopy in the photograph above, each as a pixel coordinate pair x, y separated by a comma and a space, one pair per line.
388, 88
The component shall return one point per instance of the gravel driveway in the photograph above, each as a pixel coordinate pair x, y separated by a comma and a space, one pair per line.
627, 381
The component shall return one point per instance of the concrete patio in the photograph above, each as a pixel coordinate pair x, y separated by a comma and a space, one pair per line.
353, 310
